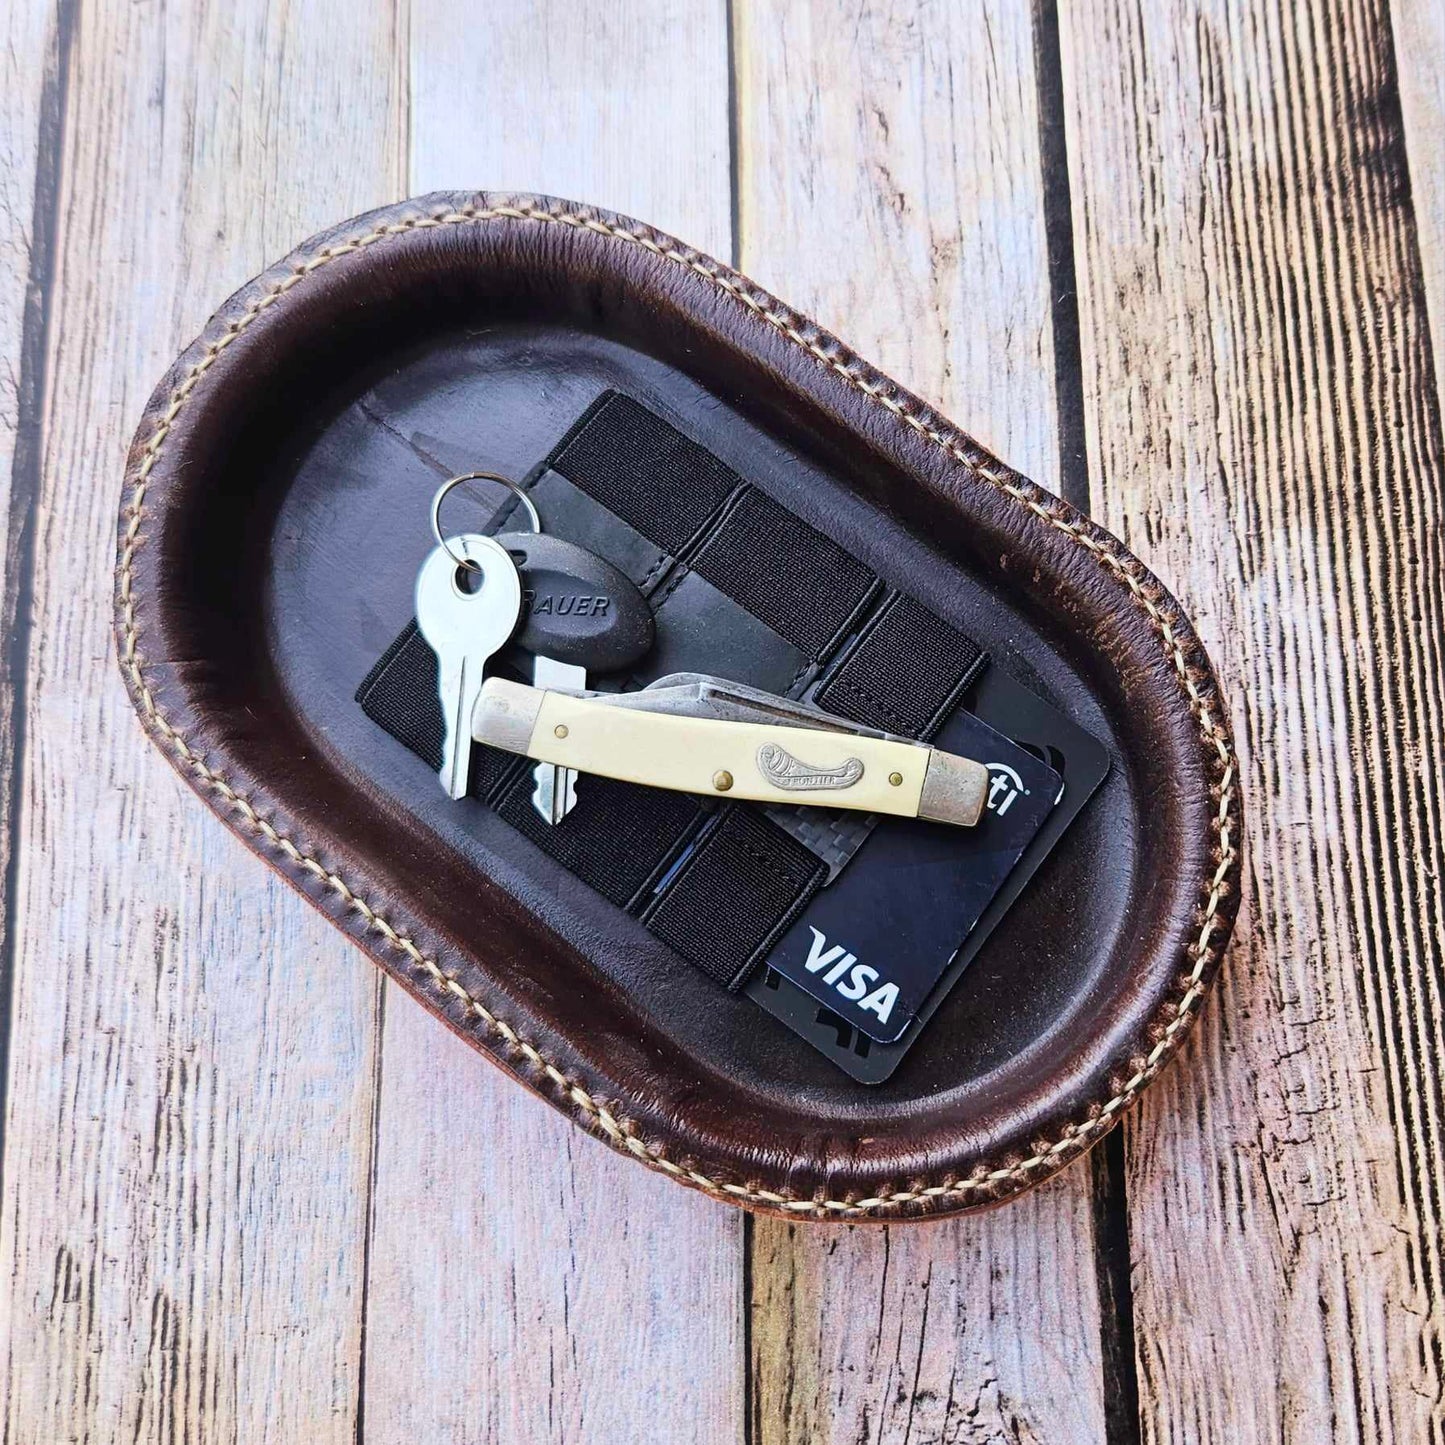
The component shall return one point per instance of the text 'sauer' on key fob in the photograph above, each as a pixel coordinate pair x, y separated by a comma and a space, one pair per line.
577, 608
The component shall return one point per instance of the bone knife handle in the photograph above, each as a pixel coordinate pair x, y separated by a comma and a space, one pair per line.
759, 762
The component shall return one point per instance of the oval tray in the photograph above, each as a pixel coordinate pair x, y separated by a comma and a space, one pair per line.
274, 515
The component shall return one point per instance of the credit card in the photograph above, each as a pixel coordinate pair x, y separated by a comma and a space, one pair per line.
873, 944
1041, 730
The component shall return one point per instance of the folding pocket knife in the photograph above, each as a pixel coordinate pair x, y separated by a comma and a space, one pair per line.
698, 734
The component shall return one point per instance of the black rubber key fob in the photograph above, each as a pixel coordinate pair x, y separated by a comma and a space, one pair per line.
578, 608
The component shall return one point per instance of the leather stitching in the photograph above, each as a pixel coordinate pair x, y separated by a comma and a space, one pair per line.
654, 571
985, 1182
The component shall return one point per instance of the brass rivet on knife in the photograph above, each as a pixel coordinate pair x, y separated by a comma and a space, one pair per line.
722, 780
896, 779
560, 730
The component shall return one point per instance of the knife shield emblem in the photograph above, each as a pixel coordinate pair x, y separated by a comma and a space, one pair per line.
785, 771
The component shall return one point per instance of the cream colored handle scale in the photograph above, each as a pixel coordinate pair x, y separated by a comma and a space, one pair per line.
759, 762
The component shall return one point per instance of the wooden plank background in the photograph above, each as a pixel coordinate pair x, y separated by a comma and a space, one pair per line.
1185, 263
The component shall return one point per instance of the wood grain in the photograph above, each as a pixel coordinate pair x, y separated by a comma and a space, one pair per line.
227, 1214
1419, 33
188, 1133
526, 1283
1263, 428
891, 185
31, 101
625, 106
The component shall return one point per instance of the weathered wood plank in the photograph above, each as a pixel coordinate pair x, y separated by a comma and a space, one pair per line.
188, 1134
527, 1284
1419, 31
32, 72
891, 185
1263, 428
624, 106
952, 1331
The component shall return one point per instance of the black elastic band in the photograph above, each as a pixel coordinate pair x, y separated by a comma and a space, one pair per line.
618, 837
905, 673
773, 564
644, 470
400, 695
745, 879
743, 884
615, 840
724, 906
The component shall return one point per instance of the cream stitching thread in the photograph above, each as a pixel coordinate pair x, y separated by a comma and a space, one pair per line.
983, 1180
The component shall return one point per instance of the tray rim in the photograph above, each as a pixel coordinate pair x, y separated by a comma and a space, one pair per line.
1012, 1166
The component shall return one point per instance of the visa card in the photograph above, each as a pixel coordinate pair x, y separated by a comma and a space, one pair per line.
874, 943
1039, 728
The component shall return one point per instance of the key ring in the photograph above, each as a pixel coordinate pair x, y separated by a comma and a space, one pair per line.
436, 509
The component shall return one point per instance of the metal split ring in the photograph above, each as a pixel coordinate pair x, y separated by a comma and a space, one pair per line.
436, 509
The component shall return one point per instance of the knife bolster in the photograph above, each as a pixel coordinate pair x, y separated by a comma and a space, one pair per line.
506, 714
954, 790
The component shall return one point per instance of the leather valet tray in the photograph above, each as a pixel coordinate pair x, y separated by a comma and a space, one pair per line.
274, 516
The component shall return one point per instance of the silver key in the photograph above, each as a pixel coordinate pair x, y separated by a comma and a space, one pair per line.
466, 629
556, 792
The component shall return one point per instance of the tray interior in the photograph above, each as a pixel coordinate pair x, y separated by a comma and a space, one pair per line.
300, 569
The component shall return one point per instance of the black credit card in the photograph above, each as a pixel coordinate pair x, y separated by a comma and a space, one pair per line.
873, 944
1043, 732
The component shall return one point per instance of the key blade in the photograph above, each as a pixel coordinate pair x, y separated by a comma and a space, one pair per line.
566, 792
544, 775
458, 684
558, 676
553, 798
555, 793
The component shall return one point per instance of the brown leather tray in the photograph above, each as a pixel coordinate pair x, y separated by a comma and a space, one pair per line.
273, 518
